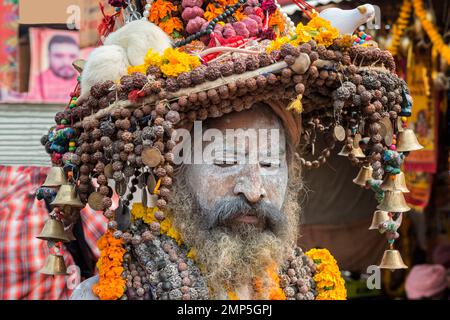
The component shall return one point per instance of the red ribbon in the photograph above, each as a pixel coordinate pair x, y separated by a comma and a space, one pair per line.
108, 22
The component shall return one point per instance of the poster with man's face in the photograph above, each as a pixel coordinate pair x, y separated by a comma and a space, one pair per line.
52, 76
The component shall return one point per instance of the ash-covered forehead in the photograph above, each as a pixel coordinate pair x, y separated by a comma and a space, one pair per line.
260, 115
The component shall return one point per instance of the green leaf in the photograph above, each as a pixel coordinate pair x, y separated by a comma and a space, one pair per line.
176, 34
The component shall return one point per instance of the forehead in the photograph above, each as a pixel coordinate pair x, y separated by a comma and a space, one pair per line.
260, 116
63, 47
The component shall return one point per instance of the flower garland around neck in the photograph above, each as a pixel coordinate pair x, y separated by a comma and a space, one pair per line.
317, 29
111, 285
171, 63
138, 211
431, 30
329, 282
400, 25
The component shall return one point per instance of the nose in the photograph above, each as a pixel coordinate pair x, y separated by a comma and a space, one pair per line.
249, 184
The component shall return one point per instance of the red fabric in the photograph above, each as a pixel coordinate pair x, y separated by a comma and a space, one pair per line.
51, 88
22, 255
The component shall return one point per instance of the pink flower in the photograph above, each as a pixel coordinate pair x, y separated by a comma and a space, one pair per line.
252, 26
190, 13
253, 3
241, 29
191, 3
195, 25
257, 19
228, 31
249, 10
269, 5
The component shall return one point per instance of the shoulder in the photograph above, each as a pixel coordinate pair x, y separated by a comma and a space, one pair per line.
84, 290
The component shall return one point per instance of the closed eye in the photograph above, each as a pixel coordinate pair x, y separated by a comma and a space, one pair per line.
225, 163
269, 164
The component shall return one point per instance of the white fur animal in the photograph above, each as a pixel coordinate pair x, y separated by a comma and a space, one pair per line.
347, 21
123, 48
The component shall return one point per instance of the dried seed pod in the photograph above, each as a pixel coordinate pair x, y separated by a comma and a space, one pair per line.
271, 78
264, 59
251, 84
193, 98
202, 114
184, 80
173, 117
224, 92
239, 66
252, 62
202, 97
393, 115
227, 68
375, 117
378, 148
313, 56
106, 202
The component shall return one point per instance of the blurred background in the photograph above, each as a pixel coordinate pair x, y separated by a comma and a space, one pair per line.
39, 40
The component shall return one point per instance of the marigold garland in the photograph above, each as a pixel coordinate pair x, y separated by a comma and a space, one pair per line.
172, 62
111, 285
329, 282
148, 216
400, 25
317, 29
431, 30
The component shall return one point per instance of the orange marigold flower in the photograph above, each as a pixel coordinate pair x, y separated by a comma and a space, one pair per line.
171, 25
212, 11
160, 9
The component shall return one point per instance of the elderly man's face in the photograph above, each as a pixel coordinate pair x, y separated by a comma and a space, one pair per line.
239, 217
231, 193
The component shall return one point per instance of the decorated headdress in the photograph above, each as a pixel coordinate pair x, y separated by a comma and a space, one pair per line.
227, 55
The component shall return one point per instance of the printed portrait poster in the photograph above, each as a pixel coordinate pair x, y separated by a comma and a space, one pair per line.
423, 120
9, 17
52, 76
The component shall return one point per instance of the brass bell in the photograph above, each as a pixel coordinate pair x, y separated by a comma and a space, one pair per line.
357, 152
407, 141
67, 195
344, 151
364, 175
393, 201
379, 217
395, 182
54, 265
53, 231
392, 260
69, 233
55, 177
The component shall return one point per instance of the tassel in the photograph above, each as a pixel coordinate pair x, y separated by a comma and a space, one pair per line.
296, 104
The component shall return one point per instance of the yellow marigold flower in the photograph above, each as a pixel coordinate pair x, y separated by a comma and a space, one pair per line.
277, 43
326, 38
317, 23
